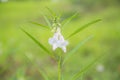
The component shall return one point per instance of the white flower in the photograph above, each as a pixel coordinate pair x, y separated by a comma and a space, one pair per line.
58, 41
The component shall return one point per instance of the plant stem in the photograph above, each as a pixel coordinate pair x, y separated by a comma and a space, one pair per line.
60, 68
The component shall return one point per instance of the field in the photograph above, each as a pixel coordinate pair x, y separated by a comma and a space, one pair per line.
16, 46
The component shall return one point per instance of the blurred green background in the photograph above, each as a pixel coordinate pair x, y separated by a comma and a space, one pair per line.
14, 44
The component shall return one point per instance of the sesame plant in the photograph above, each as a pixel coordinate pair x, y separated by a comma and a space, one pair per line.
59, 41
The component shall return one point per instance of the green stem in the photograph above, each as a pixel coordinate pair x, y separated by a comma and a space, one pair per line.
60, 68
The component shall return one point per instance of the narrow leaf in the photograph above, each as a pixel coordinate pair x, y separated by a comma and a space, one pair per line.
37, 42
76, 48
39, 70
51, 11
77, 75
47, 20
83, 27
60, 15
66, 21
38, 24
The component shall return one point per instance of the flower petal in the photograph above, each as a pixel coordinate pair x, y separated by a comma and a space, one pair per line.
54, 46
64, 49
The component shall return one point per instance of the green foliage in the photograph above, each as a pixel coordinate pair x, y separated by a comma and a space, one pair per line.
37, 42
60, 61
67, 20
51, 12
83, 27
80, 73
13, 43
74, 50
44, 75
41, 25
47, 20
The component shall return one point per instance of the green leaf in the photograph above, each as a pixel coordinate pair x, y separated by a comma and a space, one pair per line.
83, 27
51, 11
37, 42
38, 24
60, 15
39, 70
66, 21
47, 20
76, 48
77, 75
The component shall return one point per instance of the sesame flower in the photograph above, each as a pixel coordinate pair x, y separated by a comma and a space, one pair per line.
57, 41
